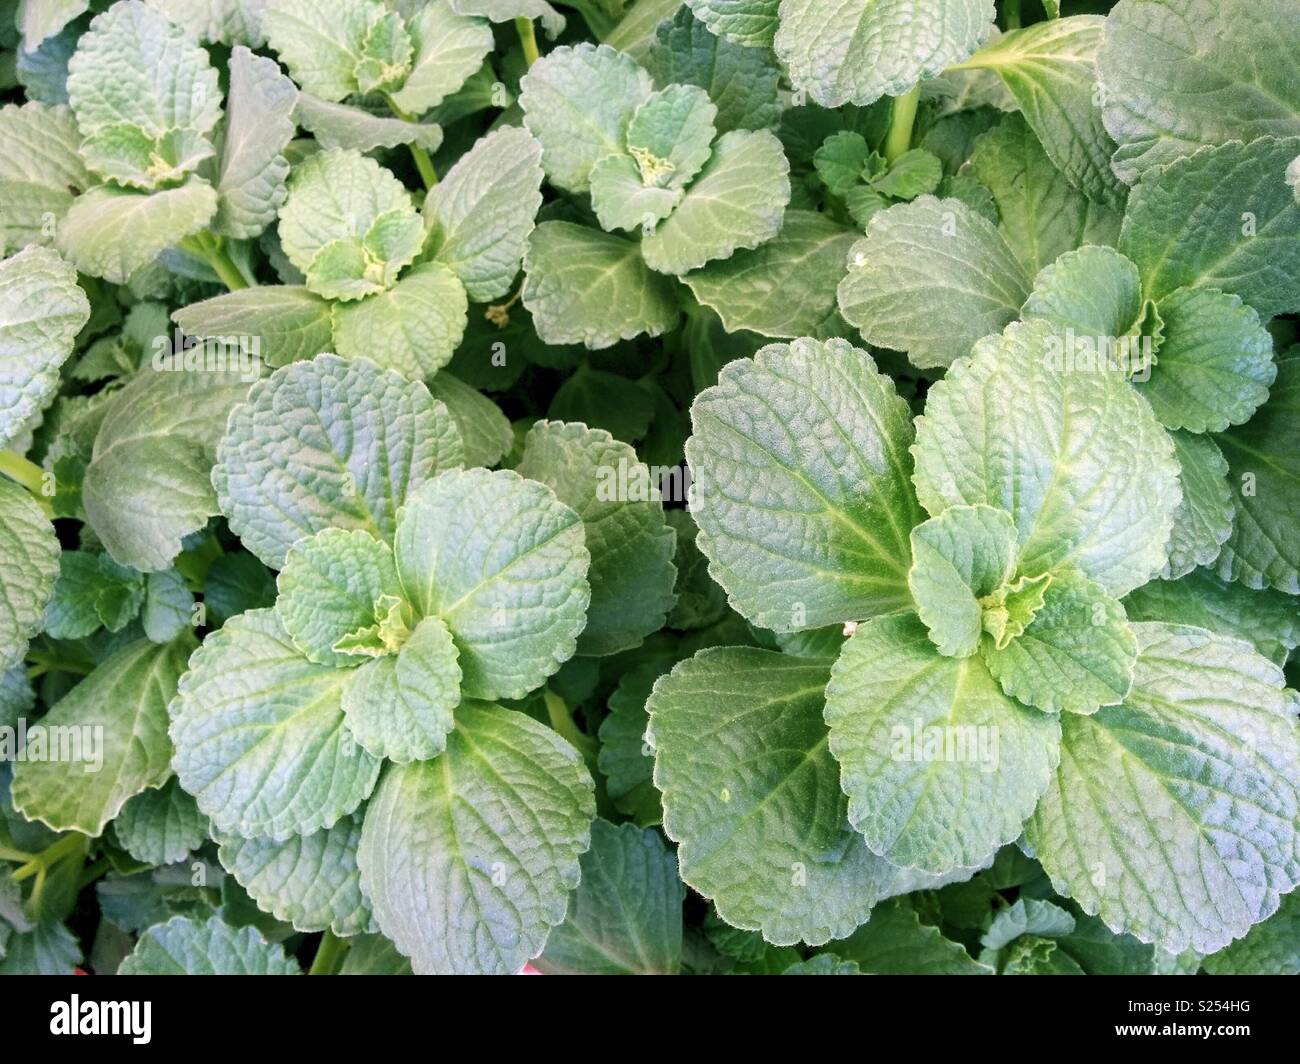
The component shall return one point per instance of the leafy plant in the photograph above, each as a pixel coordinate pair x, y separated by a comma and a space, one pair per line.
733, 486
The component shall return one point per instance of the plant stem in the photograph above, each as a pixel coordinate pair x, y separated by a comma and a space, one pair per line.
562, 721
8, 853
329, 954
64, 846
208, 247
420, 157
29, 475
900, 126
1011, 13
45, 662
528, 38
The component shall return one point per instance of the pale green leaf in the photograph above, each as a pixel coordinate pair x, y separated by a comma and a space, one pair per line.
631, 547
786, 287
506, 10
1221, 218
29, 568
485, 430
218, 21
400, 707
670, 135
448, 49
309, 881
577, 102
328, 443
1077, 459
1042, 214
260, 736
626, 759
931, 278
1180, 74
288, 322
1174, 816
1203, 520
259, 124
855, 51
168, 606
41, 312
501, 561
414, 327
148, 482
161, 826
895, 942
747, 22
802, 486
1094, 291
481, 213
338, 125
118, 714
320, 41
469, 859
625, 918
583, 286
36, 20
623, 200
40, 170
737, 202
1269, 948
941, 768
187, 946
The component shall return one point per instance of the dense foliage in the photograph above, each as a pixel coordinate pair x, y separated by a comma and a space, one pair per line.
734, 486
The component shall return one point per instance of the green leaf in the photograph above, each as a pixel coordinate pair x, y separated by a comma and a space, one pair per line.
161, 826
1180, 74
328, 443
1203, 520
1214, 364
336, 590
931, 278
841, 162
1269, 948
485, 430
259, 125
1076, 458
168, 606
309, 881
448, 49
670, 135
337, 125
260, 736
748, 22
469, 859
92, 591
41, 312
288, 322
348, 225
1174, 816
1221, 218
631, 547
119, 716
1010, 609
28, 571
1042, 214
1267, 619
606, 401
37, 21
1094, 291
941, 768
1050, 69
895, 942
49, 948
742, 81
111, 232
501, 561
1264, 475
400, 707
625, 918
583, 286
137, 75
786, 287
1075, 655
320, 41
958, 558
737, 202
857, 51
1028, 916
577, 102
481, 214
621, 198
506, 10
626, 759
824, 964
912, 174
414, 327
752, 797
218, 21
148, 482
802, 486
40, 171
186, 946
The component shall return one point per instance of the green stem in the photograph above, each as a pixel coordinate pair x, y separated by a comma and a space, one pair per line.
29, 475
900, 126
47, 661
528, 38
8, 853
209, 248
62, 847
329, 954
1011, 13
94, 871
418, 155
562, 721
